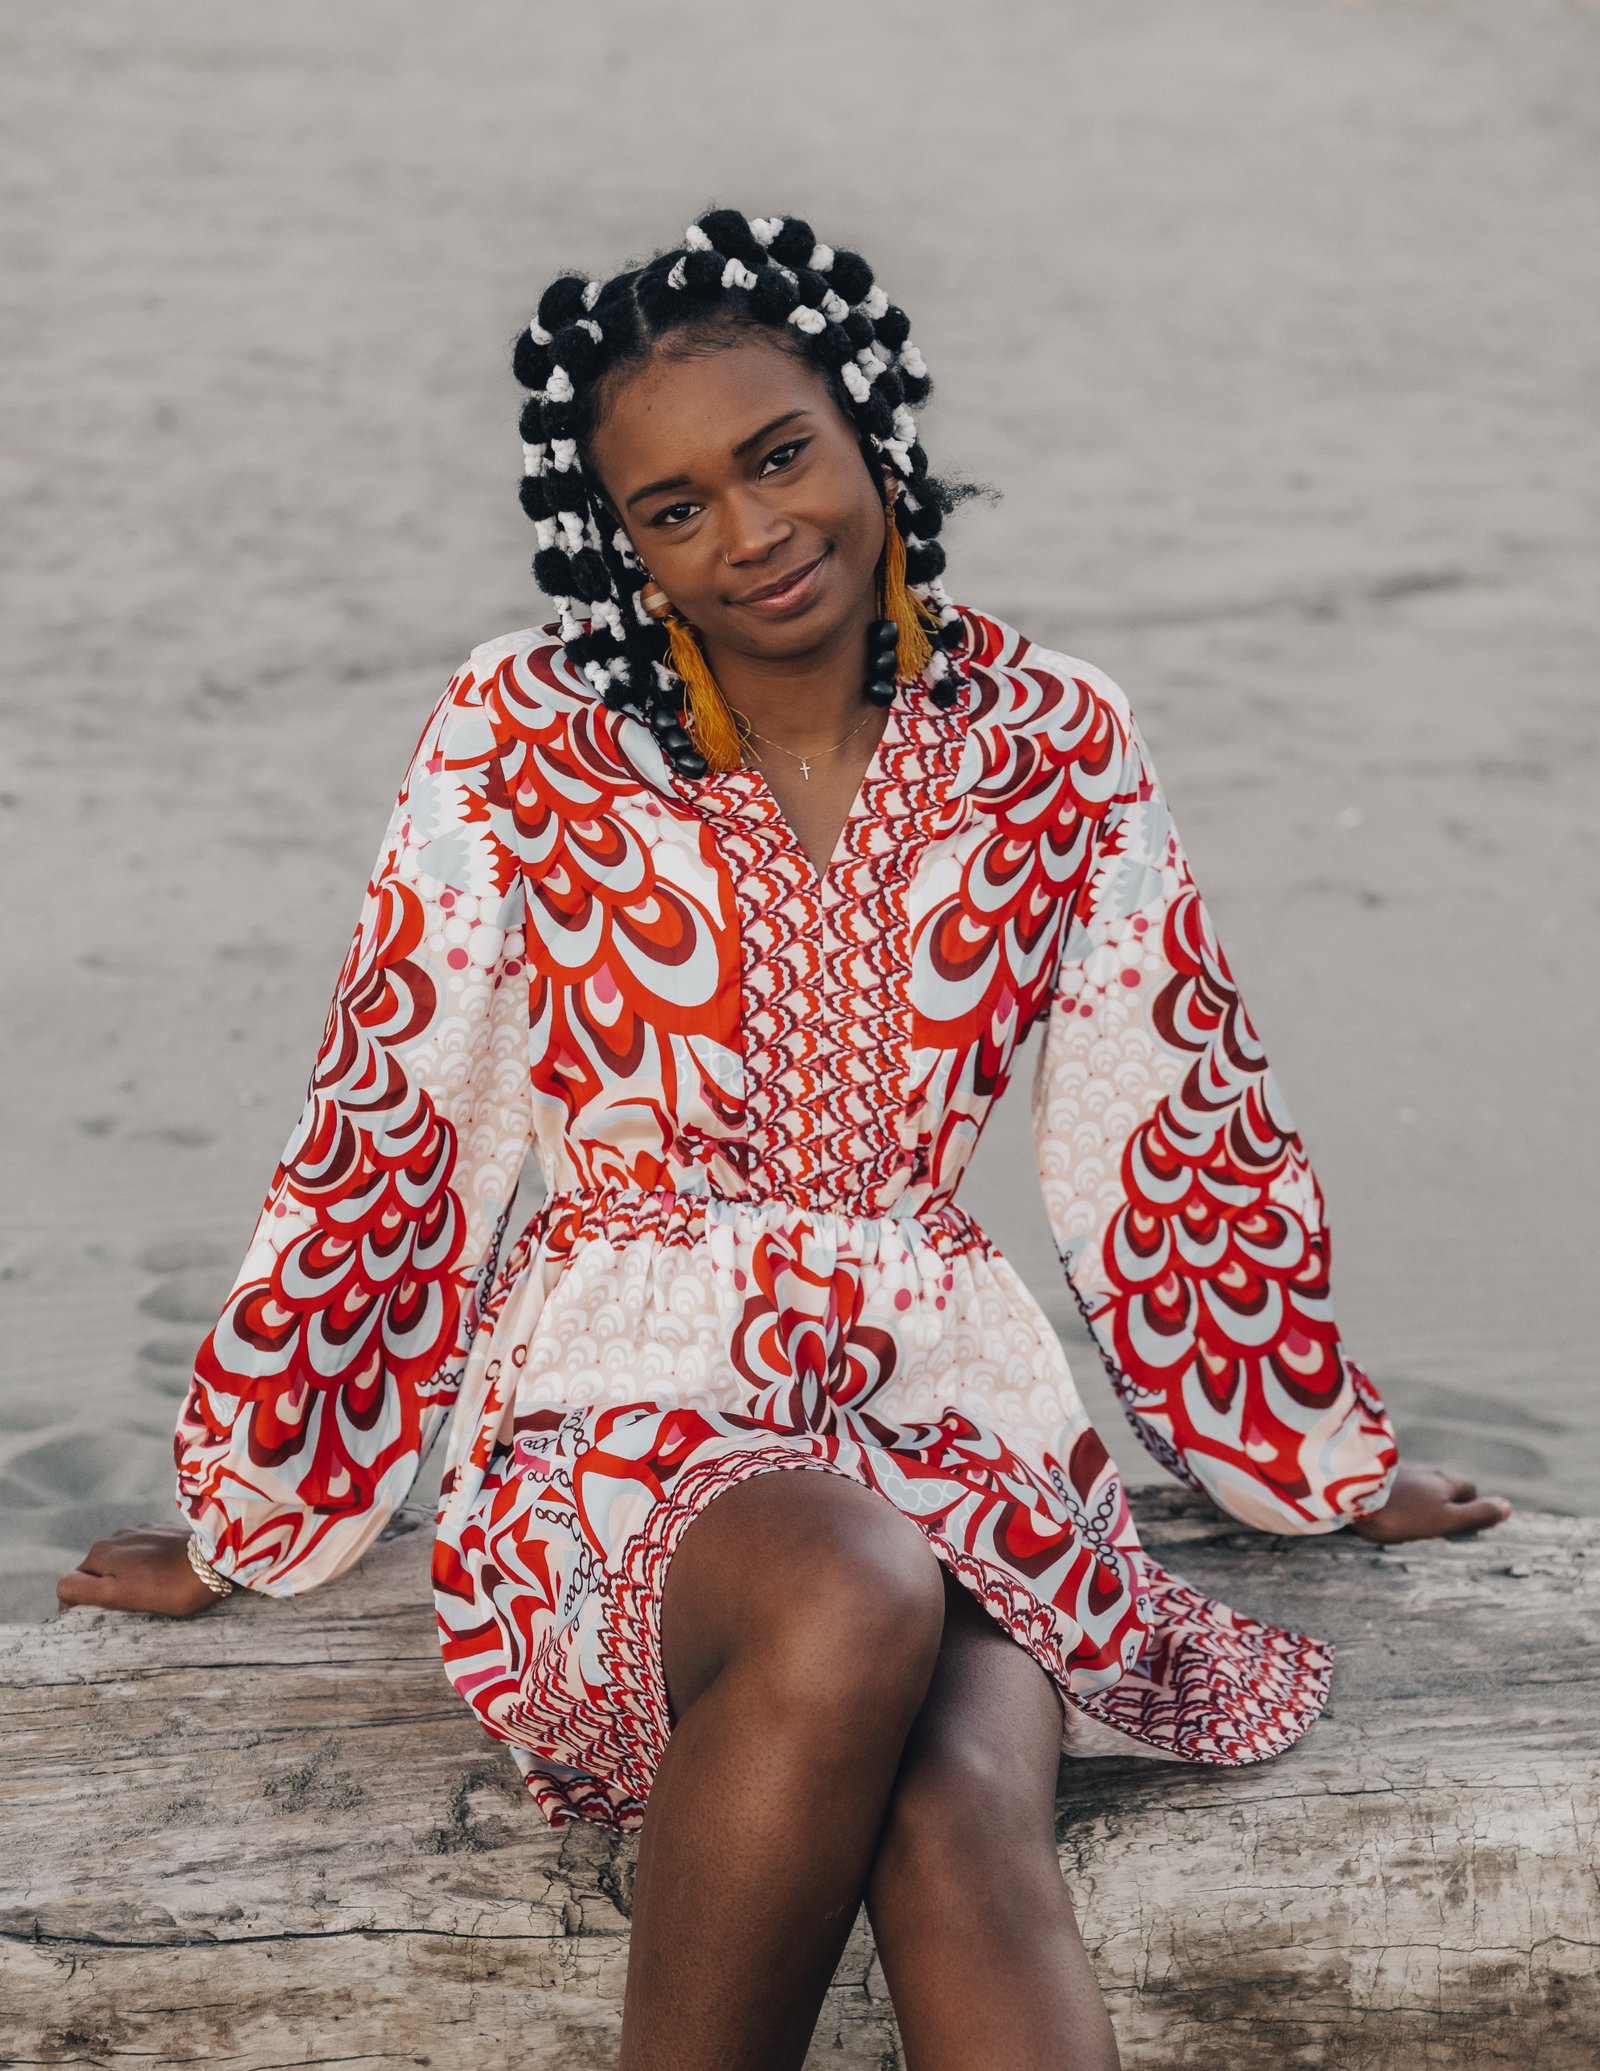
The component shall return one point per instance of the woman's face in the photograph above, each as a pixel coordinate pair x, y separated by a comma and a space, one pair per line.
742, 487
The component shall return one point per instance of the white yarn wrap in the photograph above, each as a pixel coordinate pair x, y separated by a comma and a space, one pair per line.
538, 333
591, 293
811, 321
821, 260
559, 388
678, 275
856, 382
939, 597
737, 275
564, 454
532, 458
695, 239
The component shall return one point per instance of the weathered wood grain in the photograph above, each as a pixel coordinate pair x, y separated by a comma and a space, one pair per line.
273, 1837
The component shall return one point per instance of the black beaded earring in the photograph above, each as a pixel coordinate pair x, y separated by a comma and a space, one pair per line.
883, 644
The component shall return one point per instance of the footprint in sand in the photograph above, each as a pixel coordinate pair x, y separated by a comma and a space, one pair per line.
180, 1254
192, 1276
183, 1136
165, 1364
195, 1295
1490, 1459
80, 1485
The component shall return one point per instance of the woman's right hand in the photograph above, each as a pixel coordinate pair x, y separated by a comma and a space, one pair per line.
144, 1569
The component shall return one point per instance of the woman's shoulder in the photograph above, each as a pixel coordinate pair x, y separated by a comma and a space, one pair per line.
530, 663
1025, 685
514, 689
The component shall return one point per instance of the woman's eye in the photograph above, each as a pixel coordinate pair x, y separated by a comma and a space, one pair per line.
674, 514
784, 456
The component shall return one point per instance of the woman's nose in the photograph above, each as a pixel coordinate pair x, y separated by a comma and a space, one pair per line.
751, 529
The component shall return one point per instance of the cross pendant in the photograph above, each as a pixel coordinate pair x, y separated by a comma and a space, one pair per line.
805, 768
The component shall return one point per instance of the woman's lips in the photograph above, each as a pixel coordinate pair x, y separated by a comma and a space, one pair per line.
795, 595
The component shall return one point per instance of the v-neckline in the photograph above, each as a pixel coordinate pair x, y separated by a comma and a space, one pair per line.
745, 786
760, 789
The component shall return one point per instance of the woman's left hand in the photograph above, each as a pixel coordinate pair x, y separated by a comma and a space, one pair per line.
1430, 1503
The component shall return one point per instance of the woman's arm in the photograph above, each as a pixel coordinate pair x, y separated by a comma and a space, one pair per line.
341, 1347
1186, 1212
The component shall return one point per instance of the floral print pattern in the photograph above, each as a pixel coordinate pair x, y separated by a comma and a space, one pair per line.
751, 1090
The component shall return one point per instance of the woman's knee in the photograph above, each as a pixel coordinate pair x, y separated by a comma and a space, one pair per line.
827, 1601
976, 1788
960, 1842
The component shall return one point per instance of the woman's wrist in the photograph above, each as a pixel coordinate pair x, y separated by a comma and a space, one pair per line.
219, 1585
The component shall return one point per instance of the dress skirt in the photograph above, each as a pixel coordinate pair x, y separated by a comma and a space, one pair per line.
552, 1554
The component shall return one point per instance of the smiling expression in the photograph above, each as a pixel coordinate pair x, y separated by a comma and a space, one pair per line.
745, 492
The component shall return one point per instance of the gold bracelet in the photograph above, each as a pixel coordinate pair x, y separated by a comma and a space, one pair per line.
219, 1585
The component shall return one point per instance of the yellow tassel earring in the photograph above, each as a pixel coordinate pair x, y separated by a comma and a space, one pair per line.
710, 721
900, 602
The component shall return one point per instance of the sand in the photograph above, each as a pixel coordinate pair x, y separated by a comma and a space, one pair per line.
1273, 320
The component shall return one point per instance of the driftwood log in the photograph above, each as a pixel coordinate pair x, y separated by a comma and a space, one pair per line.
274, 1837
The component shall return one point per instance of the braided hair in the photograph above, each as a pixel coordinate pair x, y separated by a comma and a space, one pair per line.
731, 273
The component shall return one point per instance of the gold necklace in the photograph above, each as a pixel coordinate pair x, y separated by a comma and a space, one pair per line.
748, 732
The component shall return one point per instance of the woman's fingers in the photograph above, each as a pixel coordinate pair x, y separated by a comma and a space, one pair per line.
84, 1586
1431, 1503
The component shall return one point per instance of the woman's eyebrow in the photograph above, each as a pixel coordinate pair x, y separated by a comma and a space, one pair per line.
766, 430
655, 489
739, 451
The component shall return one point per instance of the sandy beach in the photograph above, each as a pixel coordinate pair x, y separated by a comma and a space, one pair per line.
1275, 327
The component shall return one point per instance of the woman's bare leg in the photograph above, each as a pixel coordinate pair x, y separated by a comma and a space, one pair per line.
801, 1622
974, 1926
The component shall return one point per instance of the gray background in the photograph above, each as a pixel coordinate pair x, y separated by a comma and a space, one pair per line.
1275, 322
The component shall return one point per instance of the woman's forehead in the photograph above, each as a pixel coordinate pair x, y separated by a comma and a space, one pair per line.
687, 412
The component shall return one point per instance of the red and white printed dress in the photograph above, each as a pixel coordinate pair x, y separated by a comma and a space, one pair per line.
752, 1094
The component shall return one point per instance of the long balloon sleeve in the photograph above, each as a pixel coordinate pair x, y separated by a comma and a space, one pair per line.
341, 1347
1183, 1206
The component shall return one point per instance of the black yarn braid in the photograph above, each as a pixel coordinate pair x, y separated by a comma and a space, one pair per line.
730, 271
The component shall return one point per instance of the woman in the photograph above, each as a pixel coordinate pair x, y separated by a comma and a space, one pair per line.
733, 892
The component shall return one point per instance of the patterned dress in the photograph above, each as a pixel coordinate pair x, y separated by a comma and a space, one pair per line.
751, 1093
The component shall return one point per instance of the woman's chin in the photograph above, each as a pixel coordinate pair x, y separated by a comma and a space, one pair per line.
815, 631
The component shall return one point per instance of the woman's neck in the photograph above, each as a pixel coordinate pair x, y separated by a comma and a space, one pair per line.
807, 701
